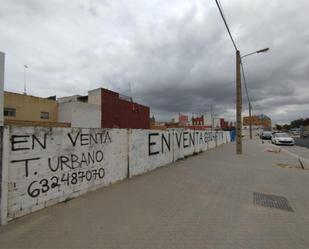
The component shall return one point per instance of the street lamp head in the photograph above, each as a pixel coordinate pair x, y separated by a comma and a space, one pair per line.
262, 50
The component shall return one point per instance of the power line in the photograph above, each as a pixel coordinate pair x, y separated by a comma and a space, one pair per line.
245, 83
221, 9
224, 20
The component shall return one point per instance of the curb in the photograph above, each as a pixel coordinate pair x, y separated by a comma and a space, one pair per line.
298, 157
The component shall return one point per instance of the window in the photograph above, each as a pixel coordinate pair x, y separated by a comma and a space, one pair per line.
44, 115
9, 112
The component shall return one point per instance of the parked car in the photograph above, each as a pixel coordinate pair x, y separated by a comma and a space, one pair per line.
295, 132
282, 139
306, 134
266, 135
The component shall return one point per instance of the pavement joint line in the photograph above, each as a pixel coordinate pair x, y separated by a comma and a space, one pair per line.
298, 157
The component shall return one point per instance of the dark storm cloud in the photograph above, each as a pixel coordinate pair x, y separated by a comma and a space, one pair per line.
172, 55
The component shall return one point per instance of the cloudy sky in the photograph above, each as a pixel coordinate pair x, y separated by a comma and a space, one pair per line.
174, 56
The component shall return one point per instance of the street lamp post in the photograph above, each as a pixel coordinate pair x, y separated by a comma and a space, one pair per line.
250, 106
238, 82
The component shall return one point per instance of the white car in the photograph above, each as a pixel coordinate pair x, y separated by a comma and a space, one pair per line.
282, 139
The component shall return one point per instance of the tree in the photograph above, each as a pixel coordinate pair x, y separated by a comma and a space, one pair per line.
297, 123
278, 127
286, 127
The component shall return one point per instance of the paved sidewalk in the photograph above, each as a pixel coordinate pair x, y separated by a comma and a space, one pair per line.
297, 152
205, 201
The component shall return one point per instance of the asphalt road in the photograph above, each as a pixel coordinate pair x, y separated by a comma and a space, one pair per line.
304, 142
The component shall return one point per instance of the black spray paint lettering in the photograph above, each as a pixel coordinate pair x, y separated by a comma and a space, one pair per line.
74, 161
192, 139
27, 142
185, 139
26, 161
165, 143
201, 140
206, 137
178, 139
88, 139
44, 185
150, 144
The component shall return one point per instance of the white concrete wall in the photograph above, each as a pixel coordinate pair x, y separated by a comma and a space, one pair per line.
149, 150
80, 114
47, 166
44, 166
152, 149
94, 97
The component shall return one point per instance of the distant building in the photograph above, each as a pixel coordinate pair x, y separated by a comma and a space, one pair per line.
22, 109
77, 111
198, 120
208, 121
224, 124
258, 121
183, 120
119, 111
157, 125
103, 108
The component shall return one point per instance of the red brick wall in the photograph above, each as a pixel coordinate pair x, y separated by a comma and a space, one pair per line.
119, 113
223, 123
198, 120
256, 120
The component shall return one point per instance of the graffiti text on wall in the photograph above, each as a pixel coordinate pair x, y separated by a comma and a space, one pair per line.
64, 169
160, 142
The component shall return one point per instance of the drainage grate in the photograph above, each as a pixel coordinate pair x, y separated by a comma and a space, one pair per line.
272, 201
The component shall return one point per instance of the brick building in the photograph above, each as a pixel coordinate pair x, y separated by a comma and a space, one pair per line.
198, 120
261, 121
224, 124
119, 111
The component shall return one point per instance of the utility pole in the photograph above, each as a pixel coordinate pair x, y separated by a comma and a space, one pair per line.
238, 105
238, 83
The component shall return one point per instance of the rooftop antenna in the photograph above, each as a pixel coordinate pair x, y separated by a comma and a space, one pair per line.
25, 84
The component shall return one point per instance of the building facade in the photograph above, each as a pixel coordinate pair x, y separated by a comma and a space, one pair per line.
78, 112
119, 111
22, 109
103, 108
198, 120
261, 121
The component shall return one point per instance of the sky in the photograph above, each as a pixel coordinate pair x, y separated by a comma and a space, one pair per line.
174, 56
